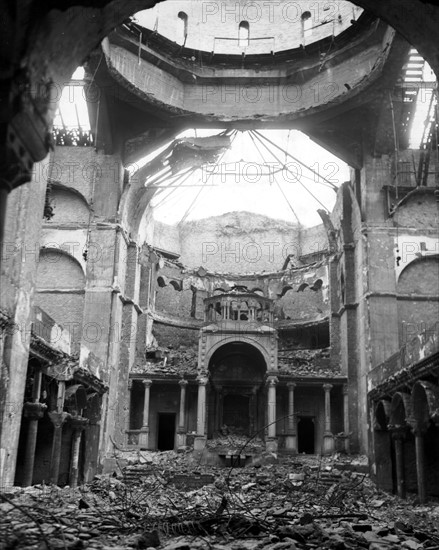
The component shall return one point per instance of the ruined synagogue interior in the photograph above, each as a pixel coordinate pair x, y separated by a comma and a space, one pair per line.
219, 316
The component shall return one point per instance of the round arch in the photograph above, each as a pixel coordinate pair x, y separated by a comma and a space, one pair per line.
382, 415
430, 260
400, 410
60, 255
425, 403
243, 339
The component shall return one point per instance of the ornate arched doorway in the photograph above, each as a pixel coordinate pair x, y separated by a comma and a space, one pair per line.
237, 398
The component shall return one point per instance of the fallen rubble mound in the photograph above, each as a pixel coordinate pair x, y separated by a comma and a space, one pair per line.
300, 503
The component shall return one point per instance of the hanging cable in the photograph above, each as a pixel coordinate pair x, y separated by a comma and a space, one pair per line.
186, 214
278, 160
275, 179
186, 176
334, 187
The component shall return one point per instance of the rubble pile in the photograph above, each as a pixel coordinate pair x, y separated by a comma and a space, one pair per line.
297, 504
178, 363
307, 362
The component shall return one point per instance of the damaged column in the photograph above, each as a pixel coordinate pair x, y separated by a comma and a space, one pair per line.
271, 442
128, 410
398, 436
78, 424
200, 439
57, 418
34, 411
419, 431
181, 431
291, 438
328, 437
144, 432
346, 417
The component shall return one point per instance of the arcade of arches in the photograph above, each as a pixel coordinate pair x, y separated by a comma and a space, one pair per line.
120, 330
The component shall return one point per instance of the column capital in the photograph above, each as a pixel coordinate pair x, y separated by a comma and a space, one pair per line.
182, 383
327, 387
58, 418
291, 385
147, 383
272, 380
202, 380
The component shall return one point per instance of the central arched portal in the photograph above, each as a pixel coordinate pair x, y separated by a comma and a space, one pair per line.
237, 397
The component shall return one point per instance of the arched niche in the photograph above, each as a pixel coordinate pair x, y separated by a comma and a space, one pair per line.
59, 270
418, 209
60, 287
418, 297
69, 206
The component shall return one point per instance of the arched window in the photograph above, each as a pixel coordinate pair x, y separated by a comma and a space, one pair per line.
244, 34
182, 34
307, 24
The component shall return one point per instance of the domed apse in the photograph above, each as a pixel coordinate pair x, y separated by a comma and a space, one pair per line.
237, 400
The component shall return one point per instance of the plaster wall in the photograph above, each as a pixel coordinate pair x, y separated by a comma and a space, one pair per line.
214, 26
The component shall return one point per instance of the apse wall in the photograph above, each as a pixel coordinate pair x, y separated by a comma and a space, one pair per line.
239, 242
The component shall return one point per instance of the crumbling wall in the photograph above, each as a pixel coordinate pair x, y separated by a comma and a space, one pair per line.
173, 337
68, 206
417, 283
238, 242
60, 292
302, 305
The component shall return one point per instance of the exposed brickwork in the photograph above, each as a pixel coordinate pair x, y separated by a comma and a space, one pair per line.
68, 207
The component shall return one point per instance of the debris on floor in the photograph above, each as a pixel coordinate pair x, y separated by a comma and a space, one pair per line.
299, 503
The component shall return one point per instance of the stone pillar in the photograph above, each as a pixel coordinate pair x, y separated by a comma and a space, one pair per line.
291, 439
200, 439
398, 436
19, 259
128, 408
420, 463
271, 442
181, 430
346, 417
57, 418
78, 424
219, 408
328, 437
253, 410
144, 433
34, 411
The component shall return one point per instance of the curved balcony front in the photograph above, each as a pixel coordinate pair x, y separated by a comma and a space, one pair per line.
245, 308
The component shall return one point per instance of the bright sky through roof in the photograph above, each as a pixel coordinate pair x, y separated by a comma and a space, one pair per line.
250, 177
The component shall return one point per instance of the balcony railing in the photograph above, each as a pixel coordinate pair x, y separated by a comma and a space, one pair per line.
241, 308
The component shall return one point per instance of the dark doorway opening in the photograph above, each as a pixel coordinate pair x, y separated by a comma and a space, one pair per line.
305, 435
166, 431
236, 413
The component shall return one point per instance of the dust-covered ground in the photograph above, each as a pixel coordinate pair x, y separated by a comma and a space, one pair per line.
296, 503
